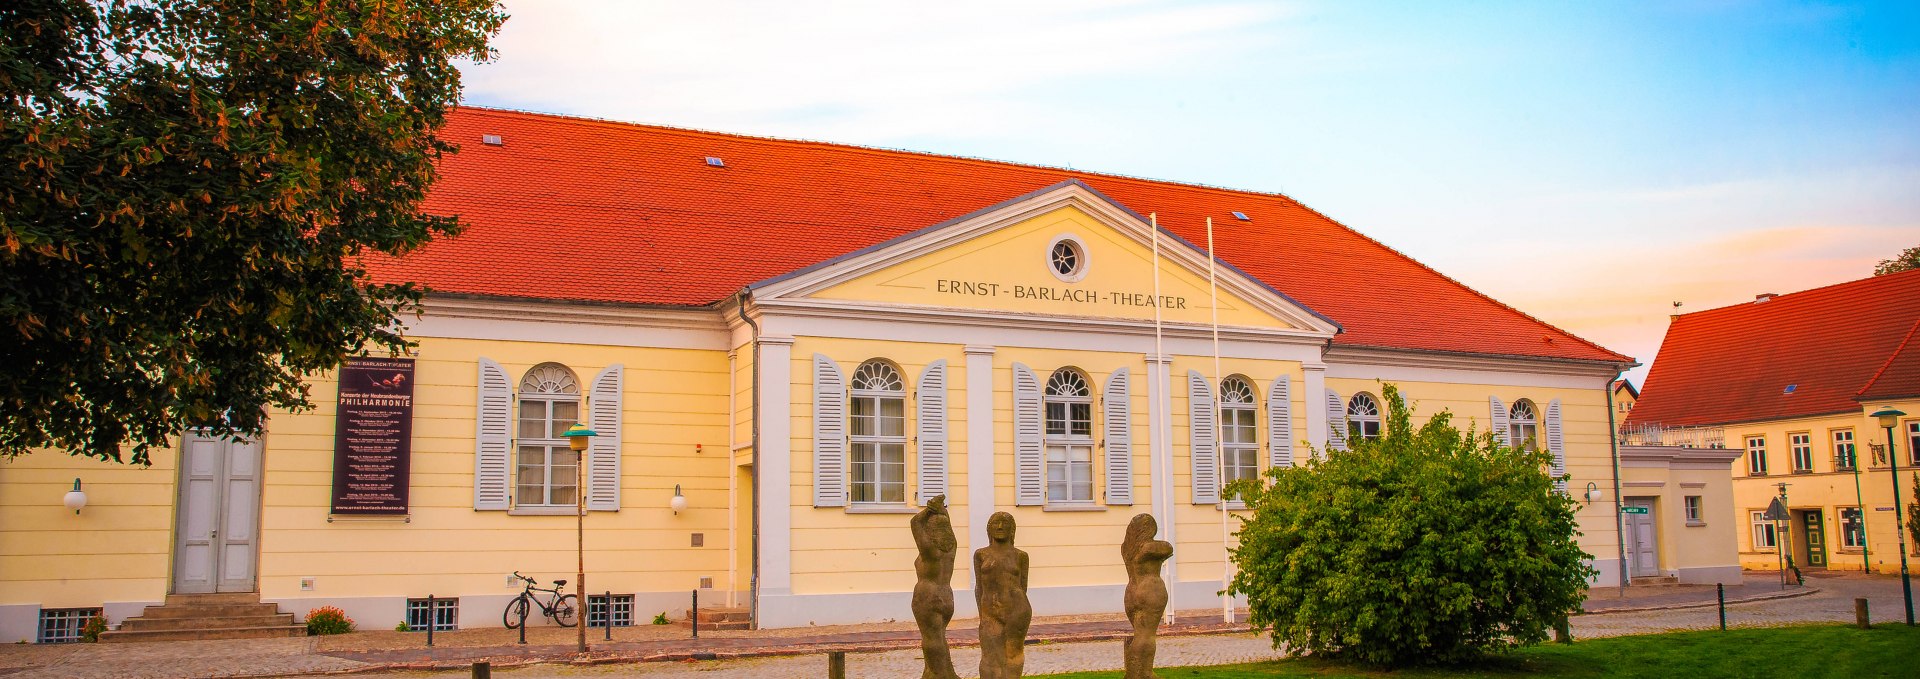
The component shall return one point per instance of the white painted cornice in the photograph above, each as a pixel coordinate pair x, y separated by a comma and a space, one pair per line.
849, 310
1339, 356
559, 321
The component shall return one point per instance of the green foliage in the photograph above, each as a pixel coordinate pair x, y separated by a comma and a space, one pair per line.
187, 191
1908, 260
1428, 545
328, 620
91, 632
660, 619
1913, 513
402, 627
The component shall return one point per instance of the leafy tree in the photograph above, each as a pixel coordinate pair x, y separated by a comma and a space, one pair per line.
1909, 259
186, 190
1427, 545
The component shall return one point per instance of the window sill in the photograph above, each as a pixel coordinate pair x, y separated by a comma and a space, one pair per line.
1803, 471
1750, 474
1844, 470
888, 508
1232, 506
537, 510
1076, 507
1696, 524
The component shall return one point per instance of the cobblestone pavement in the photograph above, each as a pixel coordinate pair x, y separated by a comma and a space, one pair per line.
1831, 602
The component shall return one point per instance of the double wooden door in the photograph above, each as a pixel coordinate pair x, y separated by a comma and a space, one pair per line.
217, 516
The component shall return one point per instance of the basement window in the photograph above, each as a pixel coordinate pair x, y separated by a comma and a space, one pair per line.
443, 615
63, 625
622, 609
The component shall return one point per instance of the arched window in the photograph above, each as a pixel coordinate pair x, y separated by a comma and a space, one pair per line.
1238, 444
1069, 436
878, 433
1363, 417
547, 469
1523, 425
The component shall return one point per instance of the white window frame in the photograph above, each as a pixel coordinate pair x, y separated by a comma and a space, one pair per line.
1847, 537
1239, 430
1691, 503
1756, 456
1363, 418
1523, 432
1762, 526
1068, 437
875, 384
546, 384
1843, 446
1801, 444
1913, 446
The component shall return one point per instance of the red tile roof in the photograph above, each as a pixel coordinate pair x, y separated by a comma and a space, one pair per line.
665, 228
1899, 377
1736, 363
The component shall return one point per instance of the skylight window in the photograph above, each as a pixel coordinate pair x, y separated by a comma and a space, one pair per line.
492, 140
1790, 388
1242, 216
716, 162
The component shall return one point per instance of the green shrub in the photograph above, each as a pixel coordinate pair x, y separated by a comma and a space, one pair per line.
1423, 546
402, 627
660, 619
328, 620
91, 632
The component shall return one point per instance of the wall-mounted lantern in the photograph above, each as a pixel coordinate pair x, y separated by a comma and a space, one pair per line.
679, 502
75, 498
1594, 494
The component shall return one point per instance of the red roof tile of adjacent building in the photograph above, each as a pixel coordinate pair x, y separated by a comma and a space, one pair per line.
1899, 377
578, 209
1807, 353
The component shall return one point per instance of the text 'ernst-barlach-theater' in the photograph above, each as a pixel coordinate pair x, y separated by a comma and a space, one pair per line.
805, 342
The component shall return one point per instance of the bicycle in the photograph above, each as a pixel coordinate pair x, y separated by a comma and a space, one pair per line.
564, 609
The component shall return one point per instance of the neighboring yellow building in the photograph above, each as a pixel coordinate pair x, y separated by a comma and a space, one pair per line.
806, 342
1788, 385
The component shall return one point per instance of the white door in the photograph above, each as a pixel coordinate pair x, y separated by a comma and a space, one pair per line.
1642, 544
217, 520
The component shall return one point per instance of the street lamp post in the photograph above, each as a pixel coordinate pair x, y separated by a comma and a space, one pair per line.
1890, 417
577, 437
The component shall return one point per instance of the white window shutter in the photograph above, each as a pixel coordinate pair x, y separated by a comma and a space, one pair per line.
1336, 421
1029, 472
1206, 440
493, 441
1557, 444
1498, 412
603, 451
829, 434
1280, 423
930, 428
1116, 403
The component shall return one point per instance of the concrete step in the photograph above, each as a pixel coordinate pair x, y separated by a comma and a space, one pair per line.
1655, 580
265, 632
146, 624
720, 614
206, 599
209, 610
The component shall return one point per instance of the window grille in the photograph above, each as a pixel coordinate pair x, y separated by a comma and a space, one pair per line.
622, 610
443, 616
63, 625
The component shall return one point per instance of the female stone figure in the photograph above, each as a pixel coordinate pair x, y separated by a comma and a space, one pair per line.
933, 595
1000, 589
1146, 598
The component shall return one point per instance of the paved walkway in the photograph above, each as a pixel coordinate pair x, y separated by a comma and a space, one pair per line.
1060, 644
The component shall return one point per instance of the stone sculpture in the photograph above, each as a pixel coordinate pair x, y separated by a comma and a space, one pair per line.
1146, 598
1000, 589
933, 594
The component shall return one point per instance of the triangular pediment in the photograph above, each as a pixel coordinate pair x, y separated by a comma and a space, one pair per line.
1066, 251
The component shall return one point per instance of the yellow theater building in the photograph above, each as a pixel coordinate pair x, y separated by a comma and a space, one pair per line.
1788, 385
805, 342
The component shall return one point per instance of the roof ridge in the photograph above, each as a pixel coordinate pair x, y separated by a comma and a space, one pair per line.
1796, 293
882, 150
1884, 365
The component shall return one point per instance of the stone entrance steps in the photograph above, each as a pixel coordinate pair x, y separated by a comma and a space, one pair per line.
185, 617
721, 618
1655, 580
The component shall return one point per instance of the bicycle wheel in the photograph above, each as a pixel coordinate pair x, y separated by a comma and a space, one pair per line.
516, 611
566, 610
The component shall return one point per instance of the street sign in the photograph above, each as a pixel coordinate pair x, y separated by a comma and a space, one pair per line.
1633, 510
1777, 511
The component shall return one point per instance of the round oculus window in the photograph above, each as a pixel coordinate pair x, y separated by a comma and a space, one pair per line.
1067, 259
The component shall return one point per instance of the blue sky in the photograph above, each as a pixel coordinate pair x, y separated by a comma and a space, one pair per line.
1589, 163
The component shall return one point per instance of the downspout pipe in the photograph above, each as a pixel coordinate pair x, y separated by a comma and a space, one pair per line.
753, 401
1613, 443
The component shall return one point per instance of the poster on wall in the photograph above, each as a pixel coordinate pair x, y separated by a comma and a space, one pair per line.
373, 436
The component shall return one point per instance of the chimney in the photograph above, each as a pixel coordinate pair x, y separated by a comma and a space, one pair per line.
1762, 297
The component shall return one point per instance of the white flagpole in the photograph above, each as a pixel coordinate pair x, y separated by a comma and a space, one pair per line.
1166, 525
1220, 452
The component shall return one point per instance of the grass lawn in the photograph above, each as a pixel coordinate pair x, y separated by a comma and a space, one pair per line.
1887, 650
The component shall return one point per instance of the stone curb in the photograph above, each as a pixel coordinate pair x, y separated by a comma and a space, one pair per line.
1803, 591
593, 658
